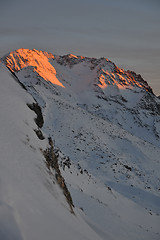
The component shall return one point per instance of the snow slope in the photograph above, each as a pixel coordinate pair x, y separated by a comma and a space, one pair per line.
97, 85
32, 205
105, 123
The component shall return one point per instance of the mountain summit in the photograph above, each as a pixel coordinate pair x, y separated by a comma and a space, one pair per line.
98, 85
44, 64
90, 133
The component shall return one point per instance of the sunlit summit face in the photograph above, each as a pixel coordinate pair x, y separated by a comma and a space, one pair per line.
75, 72
124, 31
38, 60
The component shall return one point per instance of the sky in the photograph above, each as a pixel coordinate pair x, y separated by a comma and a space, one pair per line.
126, 32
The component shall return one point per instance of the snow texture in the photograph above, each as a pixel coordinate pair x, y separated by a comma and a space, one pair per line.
32, 206
105, 123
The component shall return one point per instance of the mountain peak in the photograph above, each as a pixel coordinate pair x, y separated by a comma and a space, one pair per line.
45, 65
72, 56
98, 137
23, 58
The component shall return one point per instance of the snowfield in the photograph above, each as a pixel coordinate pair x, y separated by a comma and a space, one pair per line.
32, 205
105, 126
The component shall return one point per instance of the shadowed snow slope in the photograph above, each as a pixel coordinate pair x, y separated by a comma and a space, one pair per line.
105, 124
32, 205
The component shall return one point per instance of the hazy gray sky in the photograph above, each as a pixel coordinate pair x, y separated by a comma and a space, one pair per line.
125, 31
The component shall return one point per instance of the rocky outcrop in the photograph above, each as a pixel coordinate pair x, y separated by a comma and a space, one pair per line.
52, 162
37, 109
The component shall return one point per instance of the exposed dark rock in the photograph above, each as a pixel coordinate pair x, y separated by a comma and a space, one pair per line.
127, 167
36, 108
39, 134
149, 102
66, 163
139, 79
52, 162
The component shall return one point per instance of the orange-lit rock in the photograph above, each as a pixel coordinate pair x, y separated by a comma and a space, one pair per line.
39, 60
45, 64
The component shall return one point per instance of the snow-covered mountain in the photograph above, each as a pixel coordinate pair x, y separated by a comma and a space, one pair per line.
102, 124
